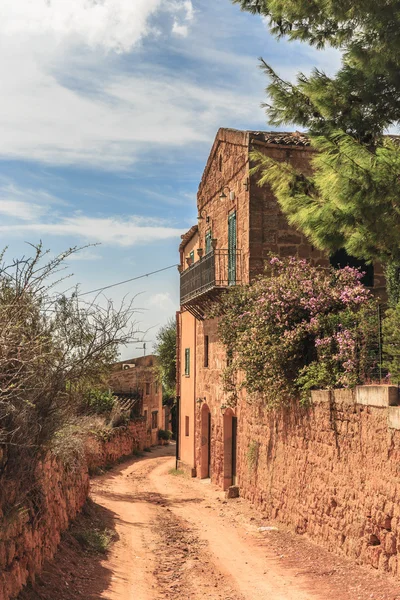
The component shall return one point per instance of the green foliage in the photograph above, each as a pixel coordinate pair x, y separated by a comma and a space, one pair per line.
99, 401
297, 329
177, 472
253, 452
53, 348
351, 200
164, 435
391, 343
94, 540
166, 353
362, 98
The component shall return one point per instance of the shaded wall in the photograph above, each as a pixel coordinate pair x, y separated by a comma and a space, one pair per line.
29, 538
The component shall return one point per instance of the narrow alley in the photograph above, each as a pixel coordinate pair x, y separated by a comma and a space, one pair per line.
180, 538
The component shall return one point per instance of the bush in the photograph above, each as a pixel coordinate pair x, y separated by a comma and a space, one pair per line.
94, 540
99, 401
391, 343
164, 435
119, 417
53, 348
296, 329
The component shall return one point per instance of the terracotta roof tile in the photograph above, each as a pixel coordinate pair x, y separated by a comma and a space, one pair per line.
186, 237
283, 138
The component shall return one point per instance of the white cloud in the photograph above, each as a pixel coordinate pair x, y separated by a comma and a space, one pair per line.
20, 210
114, 231
180, 29
114, 120
23, 203
115, 25
163, 301
181, 26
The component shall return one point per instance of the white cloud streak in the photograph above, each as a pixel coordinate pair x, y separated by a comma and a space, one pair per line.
112, 123
113, 231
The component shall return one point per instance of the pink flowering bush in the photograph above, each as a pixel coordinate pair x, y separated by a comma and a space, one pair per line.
298, 328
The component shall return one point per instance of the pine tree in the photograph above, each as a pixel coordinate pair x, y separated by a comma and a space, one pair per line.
352, 199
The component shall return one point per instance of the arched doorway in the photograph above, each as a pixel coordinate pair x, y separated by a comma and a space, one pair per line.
205, 470
230, 448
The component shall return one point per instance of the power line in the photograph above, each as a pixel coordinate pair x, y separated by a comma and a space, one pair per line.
107, 287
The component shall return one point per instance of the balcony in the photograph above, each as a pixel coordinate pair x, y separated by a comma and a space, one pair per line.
202, 282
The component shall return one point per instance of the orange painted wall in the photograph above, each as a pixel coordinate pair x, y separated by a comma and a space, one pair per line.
188, 389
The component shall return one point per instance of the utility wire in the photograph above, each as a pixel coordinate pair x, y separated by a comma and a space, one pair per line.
107, 287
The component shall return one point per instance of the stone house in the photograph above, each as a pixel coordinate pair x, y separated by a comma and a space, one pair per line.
239, 225
136, 385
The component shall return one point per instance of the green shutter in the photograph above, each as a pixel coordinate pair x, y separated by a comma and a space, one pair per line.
192, 256
187, 361
232, 249
208, 241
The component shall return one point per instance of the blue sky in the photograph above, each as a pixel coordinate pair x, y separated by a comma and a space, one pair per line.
108, 113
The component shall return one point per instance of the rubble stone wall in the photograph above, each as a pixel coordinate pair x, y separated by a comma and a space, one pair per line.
331, 471
29, 538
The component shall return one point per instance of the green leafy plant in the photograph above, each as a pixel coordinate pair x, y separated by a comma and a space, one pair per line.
164, 435
296, 329
94, 540
253, 452
99, 401
349, 198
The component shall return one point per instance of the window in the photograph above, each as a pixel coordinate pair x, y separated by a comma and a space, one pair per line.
154, 419
232, 249
208, 239
187, 362
148, 389
192, 256
187, 426
156, 387
206, 350
145, 415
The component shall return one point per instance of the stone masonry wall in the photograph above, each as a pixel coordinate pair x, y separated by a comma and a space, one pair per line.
331, 472
28, 540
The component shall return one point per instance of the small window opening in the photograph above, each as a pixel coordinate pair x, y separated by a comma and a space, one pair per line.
206, 348
187, 362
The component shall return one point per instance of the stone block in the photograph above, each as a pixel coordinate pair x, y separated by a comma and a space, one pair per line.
394, 417
380, 396
345, 396
320, 396
233, 492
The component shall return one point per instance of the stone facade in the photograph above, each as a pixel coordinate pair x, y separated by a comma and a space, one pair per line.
139, 375
298, 462
331, 471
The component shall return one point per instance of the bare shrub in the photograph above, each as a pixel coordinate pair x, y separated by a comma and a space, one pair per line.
53, 348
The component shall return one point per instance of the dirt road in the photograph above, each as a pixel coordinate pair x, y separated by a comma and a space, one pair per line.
179, 538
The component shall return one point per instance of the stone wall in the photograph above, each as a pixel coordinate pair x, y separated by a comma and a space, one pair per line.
331, 472
29, 538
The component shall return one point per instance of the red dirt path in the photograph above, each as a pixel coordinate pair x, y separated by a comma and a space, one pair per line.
178, 538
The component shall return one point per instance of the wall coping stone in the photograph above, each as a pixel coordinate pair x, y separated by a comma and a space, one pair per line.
346, 396
380, 396
394, 417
